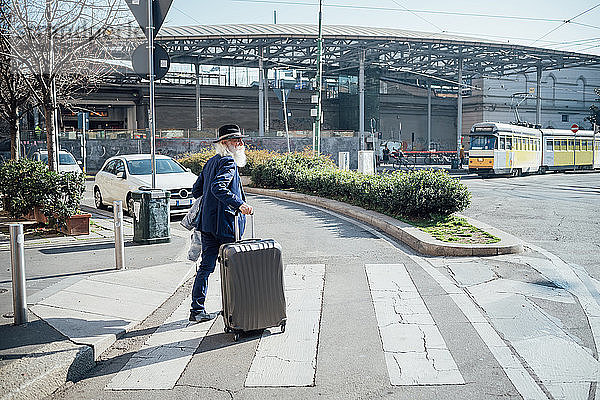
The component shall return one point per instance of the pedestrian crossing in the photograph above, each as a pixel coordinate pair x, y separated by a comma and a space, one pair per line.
413, 347
415, 351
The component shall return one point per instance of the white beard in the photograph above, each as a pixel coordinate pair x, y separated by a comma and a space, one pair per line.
238, 153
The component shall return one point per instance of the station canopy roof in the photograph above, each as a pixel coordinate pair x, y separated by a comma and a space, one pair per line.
396, 52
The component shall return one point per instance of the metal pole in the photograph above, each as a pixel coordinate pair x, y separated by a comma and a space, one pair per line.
574, 147
261, 97
17, 263
198, 109
119, 242
428, 116
361, 98
538, 96
319, 78
459, 106
84, 152
285, 116
594, 147
152, 123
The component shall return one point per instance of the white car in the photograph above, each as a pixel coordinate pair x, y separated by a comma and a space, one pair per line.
121, 175
66, 161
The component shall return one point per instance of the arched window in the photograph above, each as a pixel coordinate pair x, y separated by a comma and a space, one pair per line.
552, 87
581, 86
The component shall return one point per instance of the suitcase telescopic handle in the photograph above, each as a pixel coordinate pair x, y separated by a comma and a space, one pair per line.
236, 225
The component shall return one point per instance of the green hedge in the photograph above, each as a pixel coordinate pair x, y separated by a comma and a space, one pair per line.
196, 161
416, 195
25, 184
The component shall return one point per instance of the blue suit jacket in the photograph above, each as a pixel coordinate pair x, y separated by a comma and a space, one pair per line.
220, 186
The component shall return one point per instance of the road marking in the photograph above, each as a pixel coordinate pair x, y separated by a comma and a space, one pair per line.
518, 375
290, 358
164, 356
415, 351
563, 366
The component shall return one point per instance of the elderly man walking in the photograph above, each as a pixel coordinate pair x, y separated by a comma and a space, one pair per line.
223, 199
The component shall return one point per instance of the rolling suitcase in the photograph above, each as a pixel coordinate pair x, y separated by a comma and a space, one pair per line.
252, 284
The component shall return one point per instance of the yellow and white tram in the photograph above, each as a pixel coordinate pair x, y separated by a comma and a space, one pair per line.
500, 149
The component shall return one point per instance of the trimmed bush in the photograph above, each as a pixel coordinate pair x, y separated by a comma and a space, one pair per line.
416, 195
196, 161
25, 184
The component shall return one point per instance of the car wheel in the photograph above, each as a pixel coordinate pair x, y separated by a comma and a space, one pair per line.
130, 206
98, 199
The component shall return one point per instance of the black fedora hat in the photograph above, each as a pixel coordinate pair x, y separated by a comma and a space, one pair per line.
230, 131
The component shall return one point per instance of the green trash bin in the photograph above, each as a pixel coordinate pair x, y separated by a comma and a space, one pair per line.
151, 216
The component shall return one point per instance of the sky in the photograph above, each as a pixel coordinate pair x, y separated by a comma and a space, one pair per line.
526, 22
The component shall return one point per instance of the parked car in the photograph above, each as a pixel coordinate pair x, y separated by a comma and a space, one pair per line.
121, 175
66, 161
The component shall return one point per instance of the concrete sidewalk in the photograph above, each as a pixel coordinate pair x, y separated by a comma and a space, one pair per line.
74, 321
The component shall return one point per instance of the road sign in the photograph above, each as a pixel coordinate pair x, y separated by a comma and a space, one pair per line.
162, 61
574, 128
139, 8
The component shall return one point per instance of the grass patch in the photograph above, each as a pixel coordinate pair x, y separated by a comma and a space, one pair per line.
454, 229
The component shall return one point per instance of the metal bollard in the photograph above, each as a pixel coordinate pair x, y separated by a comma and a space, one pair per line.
119, 241
17, 263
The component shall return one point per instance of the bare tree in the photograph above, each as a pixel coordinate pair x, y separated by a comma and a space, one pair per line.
62, 47
14, 93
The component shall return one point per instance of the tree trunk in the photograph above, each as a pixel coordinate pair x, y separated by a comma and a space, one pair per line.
49, 114
15, 135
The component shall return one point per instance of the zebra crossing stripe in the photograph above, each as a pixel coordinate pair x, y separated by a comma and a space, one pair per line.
415, 351
290, 358
518, 375
166, 353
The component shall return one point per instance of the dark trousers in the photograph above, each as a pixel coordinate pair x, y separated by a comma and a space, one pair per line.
210, 252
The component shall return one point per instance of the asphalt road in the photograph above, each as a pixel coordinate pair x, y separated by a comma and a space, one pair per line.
558, 212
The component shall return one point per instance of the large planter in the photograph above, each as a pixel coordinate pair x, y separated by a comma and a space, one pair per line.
78, 224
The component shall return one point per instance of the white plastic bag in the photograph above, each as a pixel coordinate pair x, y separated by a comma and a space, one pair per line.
188, 222
195, 246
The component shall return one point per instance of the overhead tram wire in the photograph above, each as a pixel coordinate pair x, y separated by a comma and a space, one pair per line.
566, 22
452, 13
418, 16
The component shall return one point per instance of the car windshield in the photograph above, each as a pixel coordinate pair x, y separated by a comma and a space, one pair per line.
163, 166
63, 159
483, 142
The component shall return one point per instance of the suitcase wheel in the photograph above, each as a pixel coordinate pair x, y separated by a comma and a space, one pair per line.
236, 337
227, 330
282, 326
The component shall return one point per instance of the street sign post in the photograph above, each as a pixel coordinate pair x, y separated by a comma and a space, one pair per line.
574, 129
150, 14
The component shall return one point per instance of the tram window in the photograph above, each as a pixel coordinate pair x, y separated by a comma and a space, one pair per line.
578, 144
549, 145
502, 143
529, 145
570, 145
508, 143
483, 142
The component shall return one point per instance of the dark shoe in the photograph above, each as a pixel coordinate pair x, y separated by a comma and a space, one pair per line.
202, 316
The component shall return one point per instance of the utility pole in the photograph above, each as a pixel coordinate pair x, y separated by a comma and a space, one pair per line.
152, 124
319, 78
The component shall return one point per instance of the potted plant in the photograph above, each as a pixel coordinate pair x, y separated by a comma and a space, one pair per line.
61, 203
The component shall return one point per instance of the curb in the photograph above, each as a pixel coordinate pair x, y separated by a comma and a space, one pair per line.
40, 374
408, 234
